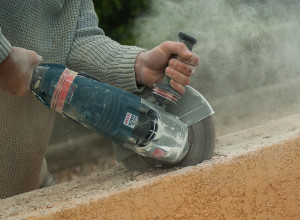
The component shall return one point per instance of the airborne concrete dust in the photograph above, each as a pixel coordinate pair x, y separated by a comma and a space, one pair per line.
249, 51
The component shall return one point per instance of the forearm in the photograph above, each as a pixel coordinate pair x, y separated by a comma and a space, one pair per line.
107, 60
5, 47
97, 54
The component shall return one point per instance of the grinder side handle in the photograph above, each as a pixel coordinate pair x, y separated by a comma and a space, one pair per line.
164, 88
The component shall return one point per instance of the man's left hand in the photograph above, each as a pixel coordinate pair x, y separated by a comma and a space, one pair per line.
151, 65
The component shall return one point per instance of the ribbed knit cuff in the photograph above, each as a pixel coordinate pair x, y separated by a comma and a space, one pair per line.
127, 72
4, 47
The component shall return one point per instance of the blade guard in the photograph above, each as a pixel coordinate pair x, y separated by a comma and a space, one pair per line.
190, 109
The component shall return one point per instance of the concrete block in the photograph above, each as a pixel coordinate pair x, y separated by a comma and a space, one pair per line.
253, 175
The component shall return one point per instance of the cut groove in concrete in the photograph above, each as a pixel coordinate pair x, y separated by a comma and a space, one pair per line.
254, 175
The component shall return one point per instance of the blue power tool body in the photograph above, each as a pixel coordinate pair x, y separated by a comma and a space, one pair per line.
147, 129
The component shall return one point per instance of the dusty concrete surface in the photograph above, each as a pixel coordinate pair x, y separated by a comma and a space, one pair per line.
254, 175
79, 157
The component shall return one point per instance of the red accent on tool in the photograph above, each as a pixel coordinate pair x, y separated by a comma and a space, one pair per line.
165, 94
158, 153
62, 89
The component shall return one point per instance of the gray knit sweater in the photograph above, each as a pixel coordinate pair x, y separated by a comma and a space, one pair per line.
65, 32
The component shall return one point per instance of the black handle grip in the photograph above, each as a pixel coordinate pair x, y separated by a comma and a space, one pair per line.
189, 41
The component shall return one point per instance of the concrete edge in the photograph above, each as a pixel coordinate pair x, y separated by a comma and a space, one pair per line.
248, 164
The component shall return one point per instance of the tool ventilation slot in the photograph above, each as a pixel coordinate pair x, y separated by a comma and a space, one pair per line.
147, 129
152, 132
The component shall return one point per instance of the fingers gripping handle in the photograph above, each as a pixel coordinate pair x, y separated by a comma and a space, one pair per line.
163, 91
189, 42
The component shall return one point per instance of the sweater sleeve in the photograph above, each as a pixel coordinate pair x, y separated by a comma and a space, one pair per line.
5, 47
97, 54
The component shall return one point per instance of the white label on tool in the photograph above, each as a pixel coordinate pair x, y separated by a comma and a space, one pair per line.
130, 120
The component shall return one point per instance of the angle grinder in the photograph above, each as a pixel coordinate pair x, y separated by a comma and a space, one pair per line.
157, 128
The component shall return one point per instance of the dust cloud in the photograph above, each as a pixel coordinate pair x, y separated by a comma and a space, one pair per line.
249, 51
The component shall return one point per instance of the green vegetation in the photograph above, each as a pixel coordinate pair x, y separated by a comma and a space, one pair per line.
116, 17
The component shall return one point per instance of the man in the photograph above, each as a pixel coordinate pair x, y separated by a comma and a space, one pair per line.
65, 32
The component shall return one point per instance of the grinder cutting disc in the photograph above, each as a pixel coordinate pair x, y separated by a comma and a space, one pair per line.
201, 141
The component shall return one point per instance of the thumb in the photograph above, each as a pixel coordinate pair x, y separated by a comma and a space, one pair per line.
33, 58
40, 59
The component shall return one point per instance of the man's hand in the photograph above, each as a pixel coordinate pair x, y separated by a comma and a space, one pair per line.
151, 65
16, 71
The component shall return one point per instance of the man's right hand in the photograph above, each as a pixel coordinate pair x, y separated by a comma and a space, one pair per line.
16, 71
